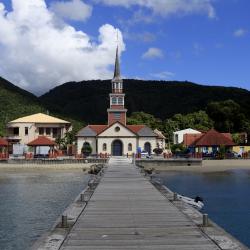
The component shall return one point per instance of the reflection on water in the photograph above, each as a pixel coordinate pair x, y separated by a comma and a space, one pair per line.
226, 196
30, 203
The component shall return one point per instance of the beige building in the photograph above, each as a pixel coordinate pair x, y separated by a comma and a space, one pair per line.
26, 129
117, 138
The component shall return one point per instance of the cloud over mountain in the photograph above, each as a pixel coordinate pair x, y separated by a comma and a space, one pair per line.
38, 51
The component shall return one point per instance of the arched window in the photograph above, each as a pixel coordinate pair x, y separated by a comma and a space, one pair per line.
104, 147
113, 100
130, 147
120, 101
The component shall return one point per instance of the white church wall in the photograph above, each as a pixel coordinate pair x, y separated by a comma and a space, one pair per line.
151, 140
82, 140
125, 142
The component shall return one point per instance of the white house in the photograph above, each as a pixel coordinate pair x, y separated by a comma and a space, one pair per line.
117, 138
178, 136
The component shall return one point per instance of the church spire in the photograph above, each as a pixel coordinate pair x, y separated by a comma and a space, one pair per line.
117, 72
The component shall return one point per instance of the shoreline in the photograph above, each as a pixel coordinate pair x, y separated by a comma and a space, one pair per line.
6, 167
208, 166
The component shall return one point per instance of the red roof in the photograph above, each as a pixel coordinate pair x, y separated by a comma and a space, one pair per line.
98, 128
189, 139
135, 128
42, 141
3, 142
213, 138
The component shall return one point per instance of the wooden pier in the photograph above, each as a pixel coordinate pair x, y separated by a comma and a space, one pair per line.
127, 212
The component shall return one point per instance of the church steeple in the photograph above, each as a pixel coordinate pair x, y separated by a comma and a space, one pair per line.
117, 72
117, 111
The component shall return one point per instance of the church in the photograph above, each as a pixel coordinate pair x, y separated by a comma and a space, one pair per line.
116, 138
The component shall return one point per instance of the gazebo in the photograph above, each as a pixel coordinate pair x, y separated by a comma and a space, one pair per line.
42, 145
3, 148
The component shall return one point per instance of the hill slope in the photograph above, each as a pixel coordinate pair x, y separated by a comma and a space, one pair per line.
88, 100
16, 102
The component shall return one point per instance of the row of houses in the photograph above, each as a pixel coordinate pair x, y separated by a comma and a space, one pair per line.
37, 134
210, 142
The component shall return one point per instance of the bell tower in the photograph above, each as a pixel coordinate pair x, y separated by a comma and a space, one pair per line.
117, 111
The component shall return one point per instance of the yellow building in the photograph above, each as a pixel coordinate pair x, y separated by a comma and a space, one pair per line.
26, 129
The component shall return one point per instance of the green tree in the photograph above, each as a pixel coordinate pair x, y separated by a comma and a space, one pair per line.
144, 118
228, 116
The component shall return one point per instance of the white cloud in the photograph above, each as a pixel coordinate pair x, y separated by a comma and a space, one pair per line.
72, 9
168, 7
240, 32
163, 75
37, 52
153, 53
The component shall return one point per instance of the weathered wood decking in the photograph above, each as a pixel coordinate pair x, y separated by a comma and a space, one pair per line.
127, 212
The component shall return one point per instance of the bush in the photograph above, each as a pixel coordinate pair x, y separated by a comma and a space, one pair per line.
158, 151
86, 149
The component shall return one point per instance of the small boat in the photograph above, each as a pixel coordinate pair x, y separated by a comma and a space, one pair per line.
197, 202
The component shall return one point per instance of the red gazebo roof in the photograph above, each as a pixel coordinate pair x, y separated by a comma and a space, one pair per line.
3, 142
42, 141
213, 138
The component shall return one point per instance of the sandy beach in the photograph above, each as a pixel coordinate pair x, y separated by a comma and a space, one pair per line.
5, 167
209, 166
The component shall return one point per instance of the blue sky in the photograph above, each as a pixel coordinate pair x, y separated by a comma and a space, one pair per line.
206, 41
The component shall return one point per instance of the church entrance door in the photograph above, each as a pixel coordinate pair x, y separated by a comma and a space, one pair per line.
147, 147
117, 148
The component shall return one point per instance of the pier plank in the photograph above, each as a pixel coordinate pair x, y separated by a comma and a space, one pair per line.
127, 212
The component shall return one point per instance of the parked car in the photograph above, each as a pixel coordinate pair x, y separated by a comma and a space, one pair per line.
233, 154
145, 154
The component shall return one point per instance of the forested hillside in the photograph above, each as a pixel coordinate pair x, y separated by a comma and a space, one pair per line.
16, 102
88, 100
168, 105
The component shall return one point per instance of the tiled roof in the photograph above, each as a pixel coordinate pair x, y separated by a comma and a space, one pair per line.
94, 130
86, 132
98, 128
146, 132
213, 138
159, 134
189, 139
39, 118
3, 142
42, 141
135, 128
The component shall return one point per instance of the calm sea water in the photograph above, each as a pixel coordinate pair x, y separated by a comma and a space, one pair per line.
30, 203
226, 196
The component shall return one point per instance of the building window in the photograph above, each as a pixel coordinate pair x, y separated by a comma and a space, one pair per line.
41, 131
176, 139
113, 100
120, 101
55, 132
47, 131
104, 147
16, 131
117, 129
130, 147
26, 130
117, 116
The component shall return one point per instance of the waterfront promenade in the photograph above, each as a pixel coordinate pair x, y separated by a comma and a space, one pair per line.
127, 212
